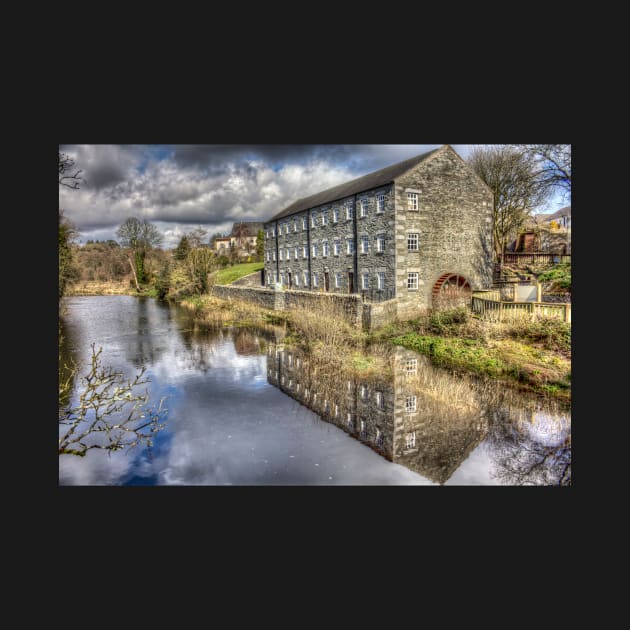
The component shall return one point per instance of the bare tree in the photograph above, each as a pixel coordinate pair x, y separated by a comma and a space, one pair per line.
66, 177
139, 236
197, 237
552, 163
513, 178
109, 414
240, 233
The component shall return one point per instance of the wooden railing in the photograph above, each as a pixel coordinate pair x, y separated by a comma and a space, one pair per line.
488, 305
519, 258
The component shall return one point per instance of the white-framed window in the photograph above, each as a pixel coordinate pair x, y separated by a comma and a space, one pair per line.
324, 218
273, 255
304, 251
350, 246
304, 223
412, 201
365, 244
380, 243
348, 205
349, 385
314, 219
268, 256
315, 248
410, 404
282, 380
296, 252
288, 254
298, 362
350, 421
363, 429
337, 280
411, 367
380, 202
336, 410
335, 215
412, 281
410, 440
364, 208
297, 279
413, 241
365, 280
282, 278
325, 248
305, 278
289, 359
275, 277
281, 254
379, 437
266, 234
273, 232
364, 391
336, 248
295, 225
290, 382
380, 400
380, 280
297, 387
315, 280
326, 405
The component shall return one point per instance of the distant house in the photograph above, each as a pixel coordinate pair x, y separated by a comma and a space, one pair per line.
242, 238
560, 219
545, 233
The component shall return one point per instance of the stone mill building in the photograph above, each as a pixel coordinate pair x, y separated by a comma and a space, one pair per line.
416, 232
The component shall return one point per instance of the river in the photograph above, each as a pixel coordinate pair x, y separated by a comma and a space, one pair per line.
244, 409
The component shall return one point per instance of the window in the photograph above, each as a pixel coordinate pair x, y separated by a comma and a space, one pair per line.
281, 254
273, 232
413, 241
296, 252
379, 438
363, 430
380, 280
282, 278
412, 201
297, 387
336, 248
380, 203
304, 252
364, 391
335, 215
290, 382
280, 230
314, 219
336, 411
410, 404
288, 254
411, 367
305, 278
273, 255
297, 279
295, 225
412, 281
315, 280
410, 440
365, 284
297, 362
349, 386
268, 256
365, 244
337, 279
324, 218
364, 208
304, 223
275, 277
314, 251
350, 421
348, 210
350, 246
267, 234
380, 243
380, 400
325, 248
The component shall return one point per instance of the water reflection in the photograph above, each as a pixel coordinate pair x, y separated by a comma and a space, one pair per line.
431, 422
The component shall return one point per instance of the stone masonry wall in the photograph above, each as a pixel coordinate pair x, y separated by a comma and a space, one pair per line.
454, 223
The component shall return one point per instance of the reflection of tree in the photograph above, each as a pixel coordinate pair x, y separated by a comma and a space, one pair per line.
521, 460
246, 342
144, 347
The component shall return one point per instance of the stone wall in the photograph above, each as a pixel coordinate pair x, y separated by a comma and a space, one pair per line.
368, 316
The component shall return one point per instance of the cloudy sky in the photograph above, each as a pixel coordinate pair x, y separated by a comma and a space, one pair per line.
181, 187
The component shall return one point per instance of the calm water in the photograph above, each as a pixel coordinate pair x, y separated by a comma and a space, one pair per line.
240, 411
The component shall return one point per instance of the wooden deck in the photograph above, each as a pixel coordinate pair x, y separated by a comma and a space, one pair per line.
488, 305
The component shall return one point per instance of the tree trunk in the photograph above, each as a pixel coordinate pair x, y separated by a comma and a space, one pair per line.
135, 277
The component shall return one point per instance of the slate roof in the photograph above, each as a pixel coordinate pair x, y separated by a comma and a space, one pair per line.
353, 187
563, 212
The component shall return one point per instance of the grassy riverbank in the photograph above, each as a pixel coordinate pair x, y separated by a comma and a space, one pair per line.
528, 356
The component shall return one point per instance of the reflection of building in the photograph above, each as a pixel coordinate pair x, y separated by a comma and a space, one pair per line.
416, 416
